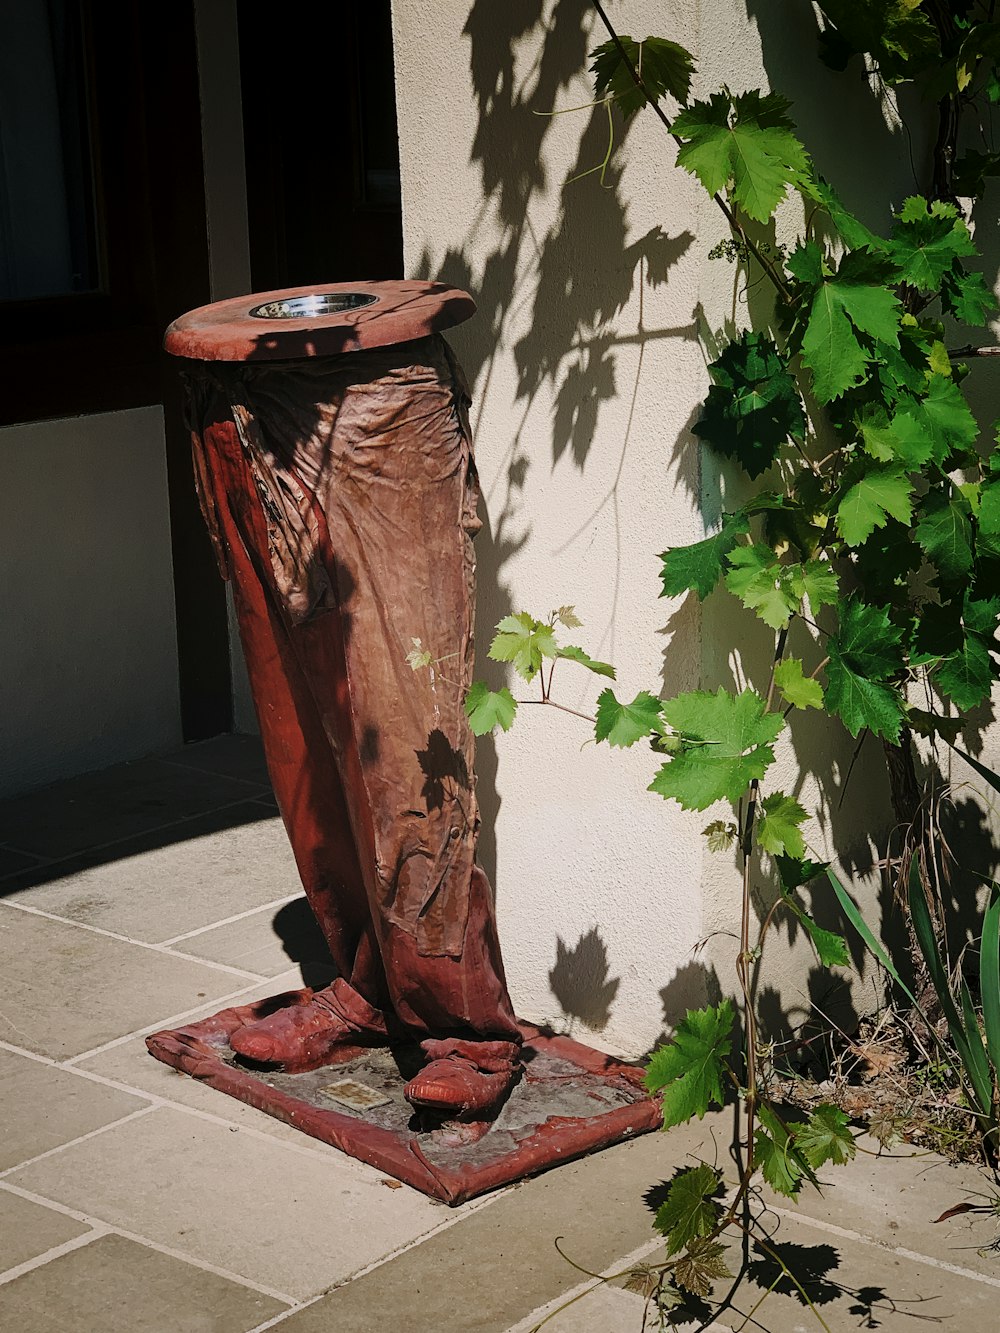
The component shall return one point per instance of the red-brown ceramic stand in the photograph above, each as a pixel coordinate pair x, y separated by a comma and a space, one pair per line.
334, 465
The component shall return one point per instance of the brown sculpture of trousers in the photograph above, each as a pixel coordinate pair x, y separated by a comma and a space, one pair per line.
341, 497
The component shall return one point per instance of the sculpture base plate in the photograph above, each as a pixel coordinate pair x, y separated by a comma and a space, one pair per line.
570, 1100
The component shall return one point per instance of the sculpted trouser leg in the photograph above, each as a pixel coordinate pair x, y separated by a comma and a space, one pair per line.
343, 501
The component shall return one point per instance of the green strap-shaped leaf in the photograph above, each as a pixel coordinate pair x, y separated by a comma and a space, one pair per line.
964, 1033
853, 914
989, 975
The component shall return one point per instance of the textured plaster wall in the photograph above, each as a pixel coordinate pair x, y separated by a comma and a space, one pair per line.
598, 309
89, 656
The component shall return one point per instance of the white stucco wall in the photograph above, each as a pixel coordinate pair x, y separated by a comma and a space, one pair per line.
89, 653
588, 360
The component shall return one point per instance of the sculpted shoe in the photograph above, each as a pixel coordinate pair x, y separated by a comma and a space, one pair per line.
308, 1035
464, 1080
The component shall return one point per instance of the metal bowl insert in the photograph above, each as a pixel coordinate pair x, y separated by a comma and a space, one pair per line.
313, 306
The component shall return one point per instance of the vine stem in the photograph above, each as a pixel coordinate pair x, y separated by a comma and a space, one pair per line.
768, 268
563, 708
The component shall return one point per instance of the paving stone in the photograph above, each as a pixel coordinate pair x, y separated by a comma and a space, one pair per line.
114, 1285
602, 1310
268, 942
895, 1199
856, 1284
116, 803
29, 1229
42, 1106
255, 1207
500, 1263
228, 756
210, 868
67, 990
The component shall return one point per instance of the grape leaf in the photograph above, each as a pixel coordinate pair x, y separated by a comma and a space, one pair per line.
418, 657
744, 143
486, 708
566, 615
944, 533
574, 654
753, 406
761, 584
854, 302
818, 581
622, 725
798, 689
720, 835
699, 567
703, 1264
726, 744
853, 232
864, 653
688, 1070
989, 507
966, 678
968, 298
523, 641
898, 36
831, 948
927, 242
778, 827
869, 499
825, 1137
777, 1155
690, 1209
942, 418
793, 872
663, 66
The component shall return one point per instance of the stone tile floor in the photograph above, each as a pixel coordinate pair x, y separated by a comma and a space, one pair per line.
134, 1200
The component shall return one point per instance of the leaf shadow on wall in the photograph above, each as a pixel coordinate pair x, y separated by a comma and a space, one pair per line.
572, 275
581, 980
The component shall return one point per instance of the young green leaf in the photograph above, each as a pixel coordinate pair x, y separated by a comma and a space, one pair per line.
574, 654
896, 33
688, 1070
869, 499
777, 1155
699, 567
727, 743
864, 654
753, 405
825, 1137
622, 725
778, 829
486, 708
798, 689
720, 835
663, 67
941, 420
691, 1208
703, 1264
927, 242
566, 615
968, 298
744, 144
523, 641
831, 948
854, 303
759, 581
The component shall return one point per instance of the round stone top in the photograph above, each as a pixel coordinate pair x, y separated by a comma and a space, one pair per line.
324, 320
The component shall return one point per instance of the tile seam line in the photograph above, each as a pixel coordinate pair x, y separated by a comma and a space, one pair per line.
213, 773
56, 1252
903, 1251
229, 920
172, 1020
51, 862
110, 1228
160, 1102
139, 944
477, 1205
81, 1138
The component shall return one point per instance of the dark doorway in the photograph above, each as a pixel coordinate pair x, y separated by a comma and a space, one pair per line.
322, 153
